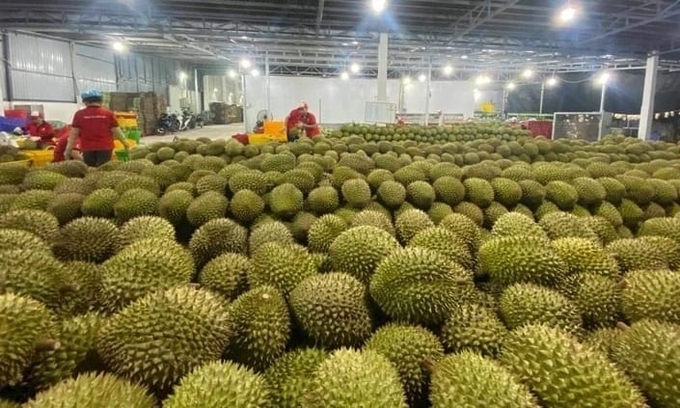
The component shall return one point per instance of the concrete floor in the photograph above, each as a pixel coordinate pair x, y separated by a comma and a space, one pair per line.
212, 132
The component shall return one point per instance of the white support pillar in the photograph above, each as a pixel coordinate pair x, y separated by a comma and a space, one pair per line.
245, 103
428, 91
382, 68
196, 95
603, 97
268, 81
540, 106
648, 94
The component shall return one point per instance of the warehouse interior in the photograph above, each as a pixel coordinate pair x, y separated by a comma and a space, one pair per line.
340, 204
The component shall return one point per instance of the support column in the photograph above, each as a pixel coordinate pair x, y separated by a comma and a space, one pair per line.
268, 81
245, 103
540, 106
427, 92
72, 56
382, 68
648, 94
603, 97
9, 91
196, 96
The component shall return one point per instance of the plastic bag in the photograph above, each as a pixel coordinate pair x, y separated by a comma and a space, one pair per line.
7, 140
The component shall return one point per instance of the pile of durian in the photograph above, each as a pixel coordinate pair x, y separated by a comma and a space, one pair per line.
340, 273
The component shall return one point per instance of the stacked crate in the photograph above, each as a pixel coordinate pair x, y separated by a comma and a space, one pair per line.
150, 107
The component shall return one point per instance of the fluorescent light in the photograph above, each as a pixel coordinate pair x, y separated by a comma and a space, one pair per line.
552, 81
118, 46
527, 73
244, 37
231, 74
464, 56
378, 5
511, 86
355, 68
355, 42
422, 77
183, 75
448, 70
406, 80
604, 78
245, 63
567, 14
482, 79
255, 72
344, 76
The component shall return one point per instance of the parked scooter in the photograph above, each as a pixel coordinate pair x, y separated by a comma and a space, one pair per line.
167, 123
188, 120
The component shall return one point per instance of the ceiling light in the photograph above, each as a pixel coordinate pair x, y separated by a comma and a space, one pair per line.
378, 5
355, 42
182, 76
422, 77
244, 37
231, 74
118, 46
567, 14
448, 70
355, 68
510, 86
345, 44
344, 76
482, 79
255, 72
464, 56
603, 78
406, 80
245, 63
552, 81
527, 73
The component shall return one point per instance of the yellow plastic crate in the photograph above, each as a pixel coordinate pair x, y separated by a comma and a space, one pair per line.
39, 158
258, 139
118, 145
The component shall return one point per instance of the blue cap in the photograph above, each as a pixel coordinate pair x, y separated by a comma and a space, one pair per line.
91, 94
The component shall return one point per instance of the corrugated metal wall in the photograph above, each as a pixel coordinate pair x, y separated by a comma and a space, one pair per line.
41, 69
3, 77
49, 70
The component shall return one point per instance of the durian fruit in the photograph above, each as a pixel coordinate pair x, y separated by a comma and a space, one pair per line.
478, 191
215, 237
290, 375
93, 391
445, 242
357, 251
565, 373
521, 259
142, 267
220, 384
76, 338
36, 275
356, 192
603, 228
86, 276
465, 228
27, 328
300, 224
226, 275
100, 203
667, 246
332, 310
323, 232
65, 207
375, 219
42, 180
409, 223
649, 351
88, 239
419, 285
597, 297
9, 404
246, 206
351, 378
282, 266
40, 223
392, 194
651, 294
514, 223
32, 200
16, 238
262, 328
523, 304
207, 207
565, 225
603, 339
473, 327
286, 200
323, 200
274, 231
407, 347
177, 330
134, 203
583, 255
174, 204
145, 227
470, 380
665, 227
633, 254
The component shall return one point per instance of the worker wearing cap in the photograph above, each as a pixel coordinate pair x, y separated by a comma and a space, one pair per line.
95, 127
60, 149
301, 118
37, 127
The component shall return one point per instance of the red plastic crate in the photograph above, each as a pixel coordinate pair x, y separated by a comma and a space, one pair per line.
539, 127
16, 113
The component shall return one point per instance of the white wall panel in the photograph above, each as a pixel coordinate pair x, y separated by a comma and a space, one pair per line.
36, 54
94, 68
3, 77
42, 87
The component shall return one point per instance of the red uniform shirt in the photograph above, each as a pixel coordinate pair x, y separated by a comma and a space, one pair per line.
95, 124
45, 131
60, 148
297, 116
293, 118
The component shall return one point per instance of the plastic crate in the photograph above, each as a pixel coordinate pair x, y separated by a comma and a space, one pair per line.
134, 135
122, 155
8, 124
16, 113
39, 158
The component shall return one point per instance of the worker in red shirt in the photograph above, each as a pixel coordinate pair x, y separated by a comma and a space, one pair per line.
301, 119
96, 127
37, 127
60, 148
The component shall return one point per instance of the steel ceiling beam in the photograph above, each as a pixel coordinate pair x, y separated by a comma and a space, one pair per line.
480, 14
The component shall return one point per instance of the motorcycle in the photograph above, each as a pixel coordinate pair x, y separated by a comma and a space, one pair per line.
188, 120
167, 123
